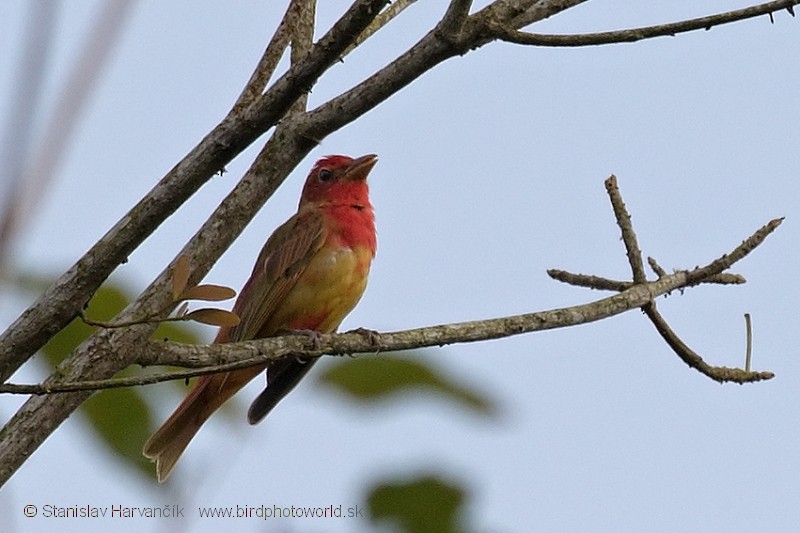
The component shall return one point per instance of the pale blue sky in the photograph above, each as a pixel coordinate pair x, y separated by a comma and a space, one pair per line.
491, 171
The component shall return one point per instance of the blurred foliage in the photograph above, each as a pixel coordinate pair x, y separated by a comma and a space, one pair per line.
381, 378
427, 504
121, 418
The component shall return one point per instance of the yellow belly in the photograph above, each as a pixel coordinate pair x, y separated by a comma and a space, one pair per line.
326, 292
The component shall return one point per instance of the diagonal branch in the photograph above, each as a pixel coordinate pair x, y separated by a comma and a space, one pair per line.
720, 374
384, 18
626, 227
107, 352
269, 60
509, 34
715, 268
60, 303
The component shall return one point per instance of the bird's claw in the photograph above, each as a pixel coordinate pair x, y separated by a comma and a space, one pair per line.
314, 337
372, 336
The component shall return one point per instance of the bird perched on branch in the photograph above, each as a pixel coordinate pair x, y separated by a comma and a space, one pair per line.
310, 274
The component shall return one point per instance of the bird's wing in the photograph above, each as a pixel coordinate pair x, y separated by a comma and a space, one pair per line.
281, 262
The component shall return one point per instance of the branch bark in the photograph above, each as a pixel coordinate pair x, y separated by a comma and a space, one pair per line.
207, 359
60, 303
637, 294
108, 351
512, 35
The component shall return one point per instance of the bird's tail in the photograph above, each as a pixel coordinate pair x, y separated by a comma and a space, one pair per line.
209, 393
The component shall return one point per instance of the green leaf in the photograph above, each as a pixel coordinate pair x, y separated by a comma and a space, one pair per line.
123, 421
107, 302
378, 378
121, 418
427, 504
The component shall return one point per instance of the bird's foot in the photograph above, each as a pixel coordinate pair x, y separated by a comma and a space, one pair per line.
372, 336
313, 337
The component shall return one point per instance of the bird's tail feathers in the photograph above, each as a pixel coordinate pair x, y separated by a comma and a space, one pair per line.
171, 439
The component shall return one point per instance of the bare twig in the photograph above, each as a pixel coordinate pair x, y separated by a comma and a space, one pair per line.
720, 374
605, 284
385, 17
628, 235
107, 352
589, 281
508, 33
749, 349
691, 358
269, 61
660, 272
747, 246
224, 357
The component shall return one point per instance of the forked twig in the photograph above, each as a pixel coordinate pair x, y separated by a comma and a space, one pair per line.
712, 273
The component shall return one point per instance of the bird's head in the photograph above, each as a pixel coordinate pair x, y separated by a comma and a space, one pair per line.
338, 178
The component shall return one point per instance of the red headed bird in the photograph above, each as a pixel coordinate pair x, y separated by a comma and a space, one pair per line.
310, 274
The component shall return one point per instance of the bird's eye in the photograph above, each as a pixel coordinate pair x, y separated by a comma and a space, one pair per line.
325, 174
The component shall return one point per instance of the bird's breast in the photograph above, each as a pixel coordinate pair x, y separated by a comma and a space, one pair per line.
328, 289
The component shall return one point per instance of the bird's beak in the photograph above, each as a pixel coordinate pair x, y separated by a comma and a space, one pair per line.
359, 168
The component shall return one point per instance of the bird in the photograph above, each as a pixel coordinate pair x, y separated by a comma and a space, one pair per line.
310, 274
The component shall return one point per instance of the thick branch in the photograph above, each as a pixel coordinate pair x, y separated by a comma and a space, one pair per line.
510, 34
107, 352
60, 302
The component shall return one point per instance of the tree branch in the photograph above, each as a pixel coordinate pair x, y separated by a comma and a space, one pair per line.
269, 60
720, 374
605, 284
224, 357
509, 34
626, 227
107, 352
61, 302
384, 18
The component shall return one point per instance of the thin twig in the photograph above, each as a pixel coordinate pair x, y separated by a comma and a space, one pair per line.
660, 272
589, 281
626, 227
386, 16
747, 246
509, 34
606, 284
224, 357
269, 61
749, 350
720, 374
